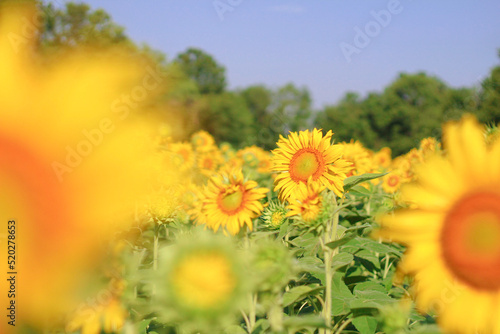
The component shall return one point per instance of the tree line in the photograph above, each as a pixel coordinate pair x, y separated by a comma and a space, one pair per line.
410, 108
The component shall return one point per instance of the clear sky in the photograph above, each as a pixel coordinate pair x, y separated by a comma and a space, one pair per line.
309, 42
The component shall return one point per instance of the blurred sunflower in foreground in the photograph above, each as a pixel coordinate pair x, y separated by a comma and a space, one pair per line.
72, 166
454, 219
200, 282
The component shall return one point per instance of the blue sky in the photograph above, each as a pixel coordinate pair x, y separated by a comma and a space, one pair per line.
276, 42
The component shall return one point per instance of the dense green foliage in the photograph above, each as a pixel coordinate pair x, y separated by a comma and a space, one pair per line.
410, 108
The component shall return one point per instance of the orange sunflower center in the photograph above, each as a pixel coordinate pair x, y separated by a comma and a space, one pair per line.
306, 162
471, 240
393, 180
231, 201
208, 163
184, 154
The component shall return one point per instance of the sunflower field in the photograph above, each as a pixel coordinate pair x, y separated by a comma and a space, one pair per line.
112, 226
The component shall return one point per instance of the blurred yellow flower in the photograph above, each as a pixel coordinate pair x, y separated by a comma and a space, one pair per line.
209, 161
181, 156
203, 141
92, 318
203, 280
306, 202
454, 219
429, 146
392, 181
74, 159
382, 159
308, 154
250, 155
358, 157
200, 282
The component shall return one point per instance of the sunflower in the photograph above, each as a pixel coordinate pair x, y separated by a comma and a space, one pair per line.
231, 202
202, 141
250, 155
308, 154
306, 202
382, 159
274, 215
265, 163
358, 156
181, 155
209, 161
429, 146
195, 274
454, 219
200, 282
392, 181
73, 160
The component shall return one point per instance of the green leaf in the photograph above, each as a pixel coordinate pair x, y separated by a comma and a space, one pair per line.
305, 241
341, 259
427, 329
358, 227
341, 295
378, 247
283, 230
298, 293
365, 324
143, 326
339, 289
342, 241
357, 179
340, 306
310, 263
261, 326
360, 191
305, 321
370, 299
235, 329
370, 286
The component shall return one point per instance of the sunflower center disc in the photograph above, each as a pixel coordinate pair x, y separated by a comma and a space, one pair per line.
304, 164
208, 163
276, 218
393, 180
231, 202
471, 240
184, 154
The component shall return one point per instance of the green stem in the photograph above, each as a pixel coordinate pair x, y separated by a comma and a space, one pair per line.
155, 248
252, 313
252, 298
344, 325
329, 236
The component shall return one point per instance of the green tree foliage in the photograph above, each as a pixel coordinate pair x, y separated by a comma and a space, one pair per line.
227, 117
489, 101
411, 108
276, 112
204, 70
258, 99
348, 120
76, 24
